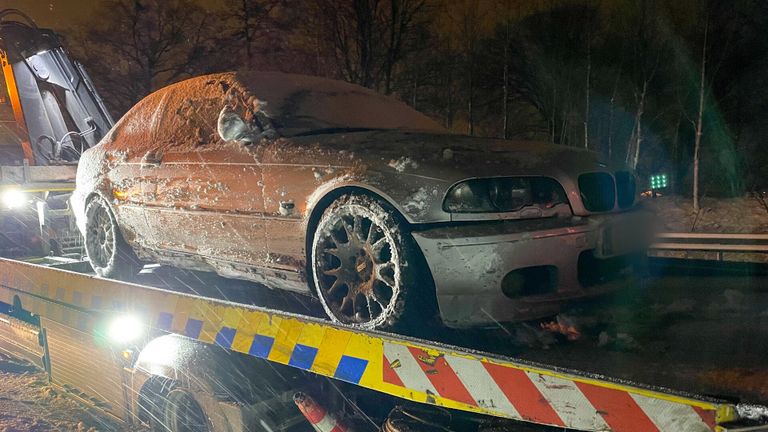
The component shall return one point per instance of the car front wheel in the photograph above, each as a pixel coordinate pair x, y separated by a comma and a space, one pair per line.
364, 265
109, 254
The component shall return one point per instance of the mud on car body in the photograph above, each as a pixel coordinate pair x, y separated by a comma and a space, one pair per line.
329, 189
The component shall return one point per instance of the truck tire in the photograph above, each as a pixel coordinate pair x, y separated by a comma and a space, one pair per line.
180, 412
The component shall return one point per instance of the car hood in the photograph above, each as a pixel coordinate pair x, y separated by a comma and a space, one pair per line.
454, 157
415, 170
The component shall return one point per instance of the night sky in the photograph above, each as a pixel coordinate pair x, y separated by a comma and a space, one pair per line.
61, 14
55, 14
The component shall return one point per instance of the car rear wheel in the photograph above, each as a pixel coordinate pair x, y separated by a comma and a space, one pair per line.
109, 254
363, 264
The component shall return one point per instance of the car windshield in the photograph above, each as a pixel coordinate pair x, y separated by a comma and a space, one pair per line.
303, 105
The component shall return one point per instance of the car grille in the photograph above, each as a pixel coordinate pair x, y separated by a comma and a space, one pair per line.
600, 192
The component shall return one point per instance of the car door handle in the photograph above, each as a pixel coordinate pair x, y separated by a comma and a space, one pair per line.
286, 207
151, 160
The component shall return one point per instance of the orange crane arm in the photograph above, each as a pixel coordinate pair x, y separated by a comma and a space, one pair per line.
18, 113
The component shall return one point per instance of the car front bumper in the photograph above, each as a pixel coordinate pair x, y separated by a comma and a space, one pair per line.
469, 264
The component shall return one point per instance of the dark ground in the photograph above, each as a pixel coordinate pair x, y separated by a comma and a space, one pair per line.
29, 404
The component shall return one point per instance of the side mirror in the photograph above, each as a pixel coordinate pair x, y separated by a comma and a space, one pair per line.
232, 127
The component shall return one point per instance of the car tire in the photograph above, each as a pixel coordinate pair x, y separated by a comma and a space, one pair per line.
110, 256
367, 269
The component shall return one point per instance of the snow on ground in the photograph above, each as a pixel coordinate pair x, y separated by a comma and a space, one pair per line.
29, 403
723, 215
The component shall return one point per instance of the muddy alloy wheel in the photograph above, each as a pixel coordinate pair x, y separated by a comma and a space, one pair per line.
110, 256
358, 263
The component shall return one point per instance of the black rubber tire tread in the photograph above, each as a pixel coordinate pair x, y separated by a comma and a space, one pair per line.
203, 427
415, 304
124, 264
159, 400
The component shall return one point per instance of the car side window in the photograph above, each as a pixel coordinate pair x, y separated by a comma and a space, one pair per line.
193, 121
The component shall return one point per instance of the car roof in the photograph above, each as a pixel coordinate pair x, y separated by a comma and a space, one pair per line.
300, 103
184, 115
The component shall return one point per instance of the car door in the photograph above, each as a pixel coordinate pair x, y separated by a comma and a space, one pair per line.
204, 196
293, 170
208, 202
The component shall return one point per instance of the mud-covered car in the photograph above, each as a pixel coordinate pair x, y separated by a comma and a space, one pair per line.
327, 188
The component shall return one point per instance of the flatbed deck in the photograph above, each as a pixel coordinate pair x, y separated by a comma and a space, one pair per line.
681, 328
636, 346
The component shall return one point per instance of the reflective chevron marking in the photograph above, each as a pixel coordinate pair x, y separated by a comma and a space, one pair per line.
539, 396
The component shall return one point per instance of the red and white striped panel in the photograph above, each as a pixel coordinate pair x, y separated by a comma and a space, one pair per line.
539, 398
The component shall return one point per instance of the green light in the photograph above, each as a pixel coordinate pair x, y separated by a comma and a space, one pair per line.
658, 181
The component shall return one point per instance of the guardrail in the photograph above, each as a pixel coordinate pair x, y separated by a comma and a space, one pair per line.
710, 245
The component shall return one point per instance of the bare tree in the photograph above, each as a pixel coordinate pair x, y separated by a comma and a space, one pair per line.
251, 22
505, 89
405, 17
141, 45
647, 52
368, 39
699, 121
468, 18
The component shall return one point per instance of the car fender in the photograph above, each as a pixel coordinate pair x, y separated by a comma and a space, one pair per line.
401, 198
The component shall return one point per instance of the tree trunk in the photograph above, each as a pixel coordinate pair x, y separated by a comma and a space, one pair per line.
247, 34
552, 122
610, 116
676, 154
699, 122
505, 101
395, 13
586, 108
633, 157
414, 97
470, 101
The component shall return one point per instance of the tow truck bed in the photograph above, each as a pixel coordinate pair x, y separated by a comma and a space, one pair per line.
424, 371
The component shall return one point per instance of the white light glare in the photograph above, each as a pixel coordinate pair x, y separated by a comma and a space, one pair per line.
13, 198
125, 329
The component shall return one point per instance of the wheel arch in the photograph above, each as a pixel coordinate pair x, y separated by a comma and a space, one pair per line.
98, 194
171, 362
319, 205
147, 401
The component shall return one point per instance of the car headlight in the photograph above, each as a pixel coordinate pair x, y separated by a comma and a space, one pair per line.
503, 194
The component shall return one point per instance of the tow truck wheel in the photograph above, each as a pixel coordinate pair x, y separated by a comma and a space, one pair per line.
363, 263
109, 254
182, 413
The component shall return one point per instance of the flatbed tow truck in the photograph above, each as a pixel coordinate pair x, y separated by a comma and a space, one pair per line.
50, 112
177, 361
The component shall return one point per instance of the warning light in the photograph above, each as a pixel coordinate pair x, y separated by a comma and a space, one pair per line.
659, 181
